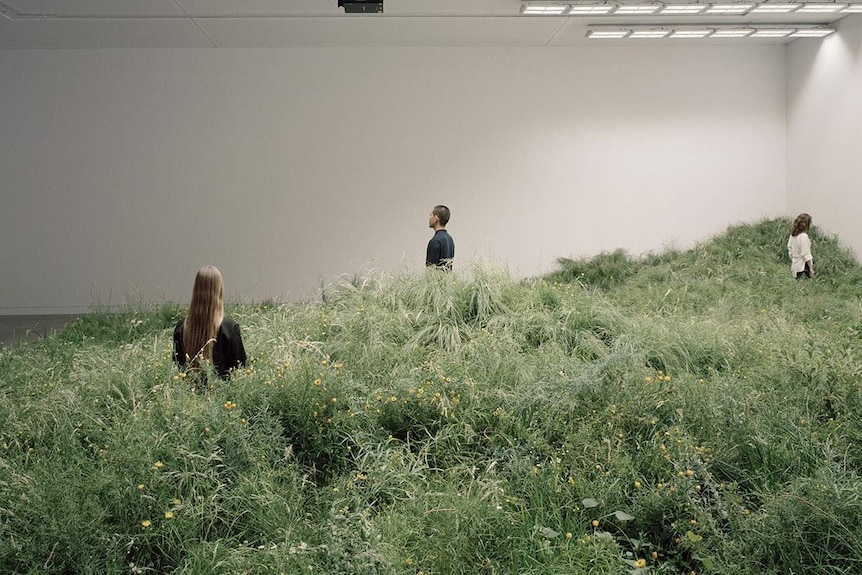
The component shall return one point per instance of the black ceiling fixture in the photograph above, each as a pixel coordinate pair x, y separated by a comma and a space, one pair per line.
361, 6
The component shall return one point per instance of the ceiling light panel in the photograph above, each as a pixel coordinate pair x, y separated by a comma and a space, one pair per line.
607, 34
637, 9
812, 33
684, 8
644, 34
775, 8
772, 33
703, 33
732, 33
544, 9
821, 8
736, 9
590, 10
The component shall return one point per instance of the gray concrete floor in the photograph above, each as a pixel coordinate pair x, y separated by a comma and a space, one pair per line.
15, 329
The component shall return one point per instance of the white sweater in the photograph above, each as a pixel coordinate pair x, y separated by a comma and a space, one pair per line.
799, 250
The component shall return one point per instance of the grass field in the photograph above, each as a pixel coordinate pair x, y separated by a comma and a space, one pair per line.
687, 412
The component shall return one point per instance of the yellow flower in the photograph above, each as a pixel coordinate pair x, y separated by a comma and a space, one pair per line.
569, 536
317, 382
176, 502
637, 484
640, 563
595, 522
158, 464
141, 486
146, 522
169, 514
334, 399
648, 379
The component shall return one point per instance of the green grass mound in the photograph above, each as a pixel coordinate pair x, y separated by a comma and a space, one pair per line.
693, 411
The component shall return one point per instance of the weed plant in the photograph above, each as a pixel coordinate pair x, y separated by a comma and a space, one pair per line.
685, 412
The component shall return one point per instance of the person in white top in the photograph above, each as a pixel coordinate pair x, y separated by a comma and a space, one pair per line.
799, 248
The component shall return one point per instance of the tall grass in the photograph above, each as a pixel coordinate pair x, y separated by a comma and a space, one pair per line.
693, 411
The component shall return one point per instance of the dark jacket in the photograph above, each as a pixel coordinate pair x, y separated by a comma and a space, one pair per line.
228, 351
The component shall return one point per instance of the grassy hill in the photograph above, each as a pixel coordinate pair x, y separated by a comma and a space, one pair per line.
686, 412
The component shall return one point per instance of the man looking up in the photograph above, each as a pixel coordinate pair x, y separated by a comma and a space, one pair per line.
441, 248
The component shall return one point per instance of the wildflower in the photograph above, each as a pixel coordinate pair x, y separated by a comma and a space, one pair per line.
654, 555
571, 480
243, 421
158, 465
146, 523
334, 399
595, 523
693, 522
637, 484
335, 490
640, 563
648, 379
141, 486
317, 382
169, 514
689, 472
568, 536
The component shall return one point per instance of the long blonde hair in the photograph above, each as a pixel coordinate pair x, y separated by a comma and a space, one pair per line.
200, 328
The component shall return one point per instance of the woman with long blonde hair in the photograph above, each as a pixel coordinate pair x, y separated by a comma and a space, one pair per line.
799, 248
205, 336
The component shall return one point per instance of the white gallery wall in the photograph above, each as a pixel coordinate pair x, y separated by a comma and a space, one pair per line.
124, 171
824, 131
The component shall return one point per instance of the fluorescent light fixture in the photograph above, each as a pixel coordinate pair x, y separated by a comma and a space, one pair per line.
820, 8
855, 8
649, 33
732, 33
634, 9
684, 9
772, 32
544, 9
607, 34
587, 10
774, 8
703, 33
812, 32
729, 8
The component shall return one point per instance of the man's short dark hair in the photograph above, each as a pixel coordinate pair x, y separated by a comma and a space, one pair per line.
442, 213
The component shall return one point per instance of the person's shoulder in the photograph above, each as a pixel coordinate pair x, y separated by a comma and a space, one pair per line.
229, 324
179, 325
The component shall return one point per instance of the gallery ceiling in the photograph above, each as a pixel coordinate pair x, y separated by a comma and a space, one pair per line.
403, 23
